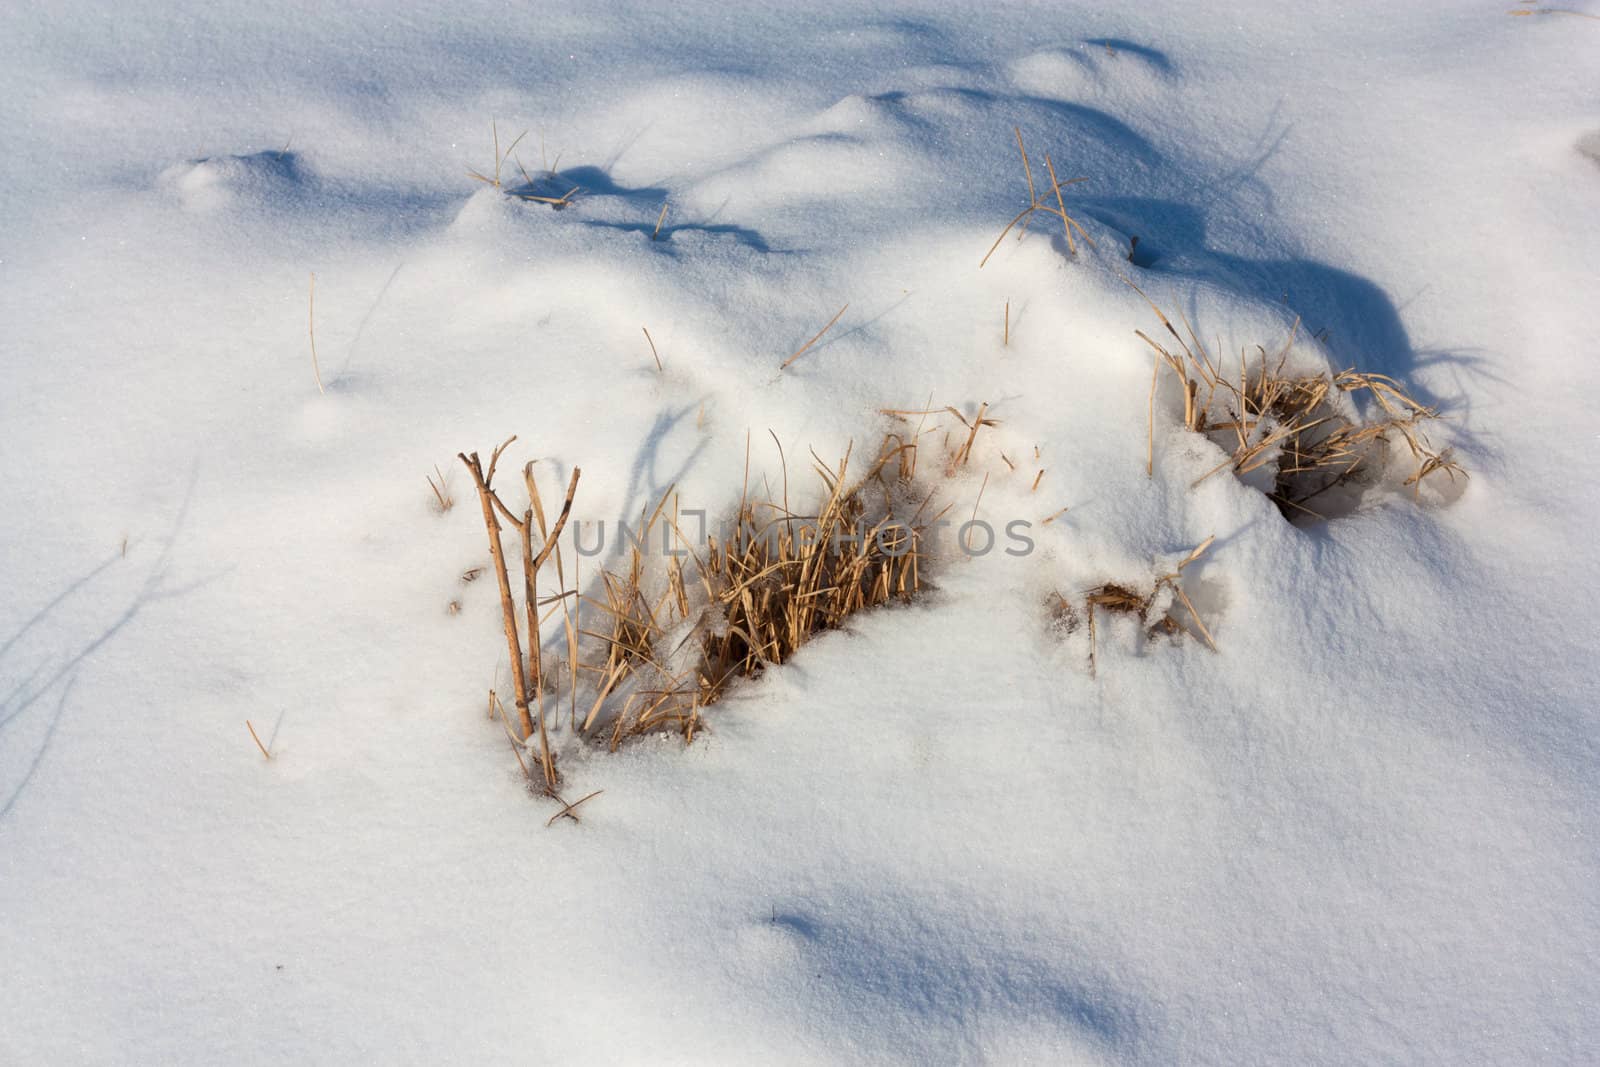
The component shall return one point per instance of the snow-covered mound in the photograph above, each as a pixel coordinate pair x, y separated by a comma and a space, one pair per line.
1362, 829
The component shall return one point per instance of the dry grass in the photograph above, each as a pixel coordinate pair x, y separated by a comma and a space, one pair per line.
526, 676
257, 739
1297, 422
525, 192
803, 348
1552, 11
311, 328
1038, 201
964, 453
653, 353
659, 638
443, 500
747, 599
493, 178
1143, 601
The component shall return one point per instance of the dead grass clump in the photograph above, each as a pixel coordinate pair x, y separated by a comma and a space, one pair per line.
958, 450
752, 597
1151, 607
1302, 430
658, 638
785, 578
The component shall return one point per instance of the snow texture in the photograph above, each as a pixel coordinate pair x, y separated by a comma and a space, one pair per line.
1365, 830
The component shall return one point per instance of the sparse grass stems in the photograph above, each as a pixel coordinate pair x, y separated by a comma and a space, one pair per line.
493, 178
526, 190
443, 500
311, 328
1041, 202
527, 678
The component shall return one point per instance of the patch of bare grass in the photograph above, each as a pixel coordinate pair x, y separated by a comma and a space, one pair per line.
658, 638
1153, 603
1303, 430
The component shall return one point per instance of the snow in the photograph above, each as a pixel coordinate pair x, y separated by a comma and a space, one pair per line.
1363, 830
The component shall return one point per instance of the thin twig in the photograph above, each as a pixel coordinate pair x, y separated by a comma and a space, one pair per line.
815, 339
311, 326
1553, 11
257, 739
653, 351
567, 810
1066, 223
508, 612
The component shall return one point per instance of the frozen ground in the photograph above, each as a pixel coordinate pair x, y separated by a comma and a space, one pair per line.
1364, 831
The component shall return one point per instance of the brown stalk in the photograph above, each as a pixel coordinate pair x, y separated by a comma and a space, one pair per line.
507, 605
802, 350
653, 351
257, 740
311, 326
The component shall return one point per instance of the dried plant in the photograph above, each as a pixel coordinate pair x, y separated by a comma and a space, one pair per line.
676, 640
1038, 201
1142, 601
1295, 422
442, 498
500, 157
526, 191
311, 330
527, 678
663, 637
805, 347
1524, 11
265, 753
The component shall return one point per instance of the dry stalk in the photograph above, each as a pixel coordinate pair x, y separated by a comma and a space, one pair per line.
802, 349
1037, 202
254, 737
493, 509
656, 355
441, 491
311, 327
499, 157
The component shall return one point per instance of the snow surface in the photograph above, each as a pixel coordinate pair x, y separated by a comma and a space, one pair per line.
1364, 831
